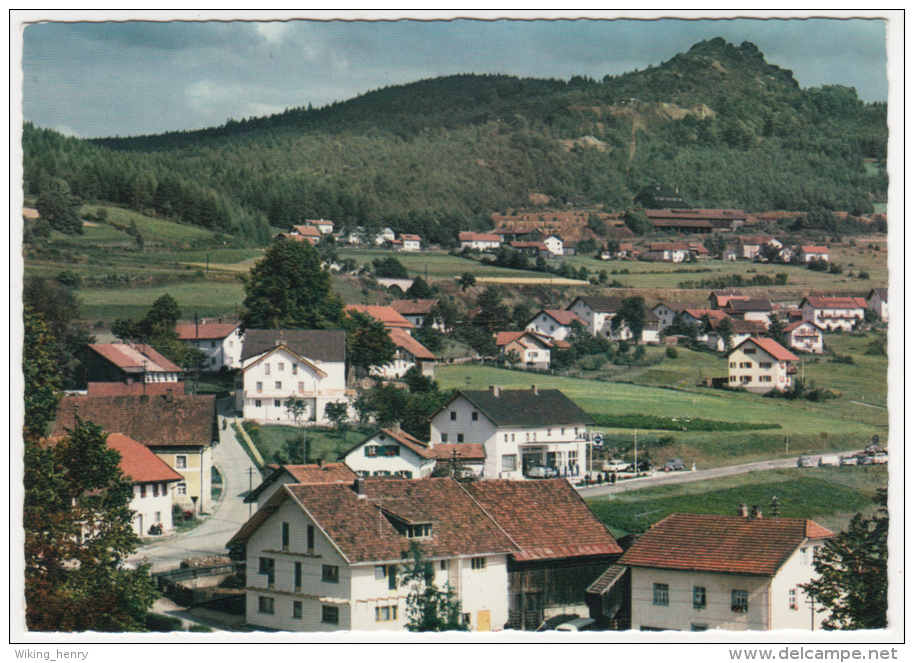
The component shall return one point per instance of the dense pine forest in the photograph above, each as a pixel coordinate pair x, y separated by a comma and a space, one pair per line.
719, 123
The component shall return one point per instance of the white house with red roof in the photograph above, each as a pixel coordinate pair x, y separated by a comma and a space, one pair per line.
153, 483
220, 342
812, 252
834, 313
410, 242
667, 251
554, 323
126, 362
532, 349
410, 352
760, 365
276, 476
805, 336
736, 573
417, 310
390, 452
479, 241
304, 233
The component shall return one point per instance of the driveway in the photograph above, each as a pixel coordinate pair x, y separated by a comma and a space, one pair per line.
239, 474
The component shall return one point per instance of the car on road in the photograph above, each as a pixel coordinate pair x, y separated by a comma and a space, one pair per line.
848, 460
615, 465
880, 459
643, 466
829, 460
553, 623
673, 464
540, 472
805, 461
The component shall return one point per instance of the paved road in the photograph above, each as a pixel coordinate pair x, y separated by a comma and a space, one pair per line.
685, 477
228, 515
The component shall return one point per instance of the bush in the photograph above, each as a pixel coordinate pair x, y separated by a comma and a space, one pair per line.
162, 623
671, 353
200, 628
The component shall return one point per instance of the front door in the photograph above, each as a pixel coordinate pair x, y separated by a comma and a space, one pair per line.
483, 620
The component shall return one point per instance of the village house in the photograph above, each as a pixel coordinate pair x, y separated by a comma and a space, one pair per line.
153, 484
597, 314
834, 313
461, 460
805, 336
479, 241
279, 475
877, 300
384, 236
532, 349
531, 248
625, 251
760, 365
555, 245
179, 429
417, 310
554, 323
699, 572
695, 221
810, 253
410, 242
749, 248
329, 557
323, 225
410, 352
390, 452
758, 310
667, 251
220, 342
722, 298
666, 312
519, 428
740, 330
127, 363
304, 233
276, 364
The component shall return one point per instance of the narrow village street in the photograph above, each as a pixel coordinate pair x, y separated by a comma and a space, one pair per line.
239, 475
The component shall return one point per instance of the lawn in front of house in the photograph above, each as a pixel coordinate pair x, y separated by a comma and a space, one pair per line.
324, 443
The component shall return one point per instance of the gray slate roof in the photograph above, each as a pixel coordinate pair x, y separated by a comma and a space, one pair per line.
526, 407
317, 344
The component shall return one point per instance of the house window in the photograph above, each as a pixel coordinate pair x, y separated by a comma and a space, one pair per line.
285, 536
453, 416
330, 614
294, 369
268, 568
155, 490
280, 366
765, 378
180, 462
266, 369
478, 563
278, 385
330, 573
460, 437
297, 576
475, 416
444, 438
804, 556
792, 599
509, 462
661, 594
158, 516
419, 531
301, 387
765, 364
265, 604
732, 378
257, 403
310, 539
443, 565
181, 489
739, 600
259, 387
385, 613
732, 364
389, 573
296, 609
142, 490
371, 451
277, 402
749, 351
699, 598
745, 378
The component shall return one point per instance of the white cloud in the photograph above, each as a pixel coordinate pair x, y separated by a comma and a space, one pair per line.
274, 32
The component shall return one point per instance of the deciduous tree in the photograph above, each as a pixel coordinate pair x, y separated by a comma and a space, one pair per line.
428, 608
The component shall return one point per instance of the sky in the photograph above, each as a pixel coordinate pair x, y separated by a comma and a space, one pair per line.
105, 78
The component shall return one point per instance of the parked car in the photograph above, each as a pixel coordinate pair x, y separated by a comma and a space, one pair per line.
829, 460
805, 461
540, 472
643, 466
553, 623
865, 459
615, 465
880, 459
673, 464
580, 624
848, 460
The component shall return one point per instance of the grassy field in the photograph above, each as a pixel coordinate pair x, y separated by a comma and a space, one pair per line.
437, 265
828, 495
325, 443
833, 425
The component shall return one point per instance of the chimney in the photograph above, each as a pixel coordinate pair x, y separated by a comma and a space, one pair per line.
534, 390
495, 390
756, 512
359, 487
395, 428
742, 510
320, 463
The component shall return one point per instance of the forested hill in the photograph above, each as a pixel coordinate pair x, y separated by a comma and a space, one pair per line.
718, 122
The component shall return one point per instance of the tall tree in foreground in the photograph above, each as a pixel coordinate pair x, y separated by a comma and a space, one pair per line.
289, 289
853, 568
368, 343
428, 608
78, 532
42, 387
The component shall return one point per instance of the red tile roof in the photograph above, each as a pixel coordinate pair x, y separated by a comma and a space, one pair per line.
835, 302
722, 544
415, 445
770, 346
562, 317
410, 237
307, 231
814, 249
134, 388
189, 331
547, 519
139, 463
324, 473
800, 323
667, 246
135, 357
414, 306
385, 314
525, 338
156, 421
402, 339
478, 237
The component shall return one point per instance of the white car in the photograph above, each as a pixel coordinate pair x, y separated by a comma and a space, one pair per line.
848, 460
829, 460
615, 465
581, 624
880, 459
